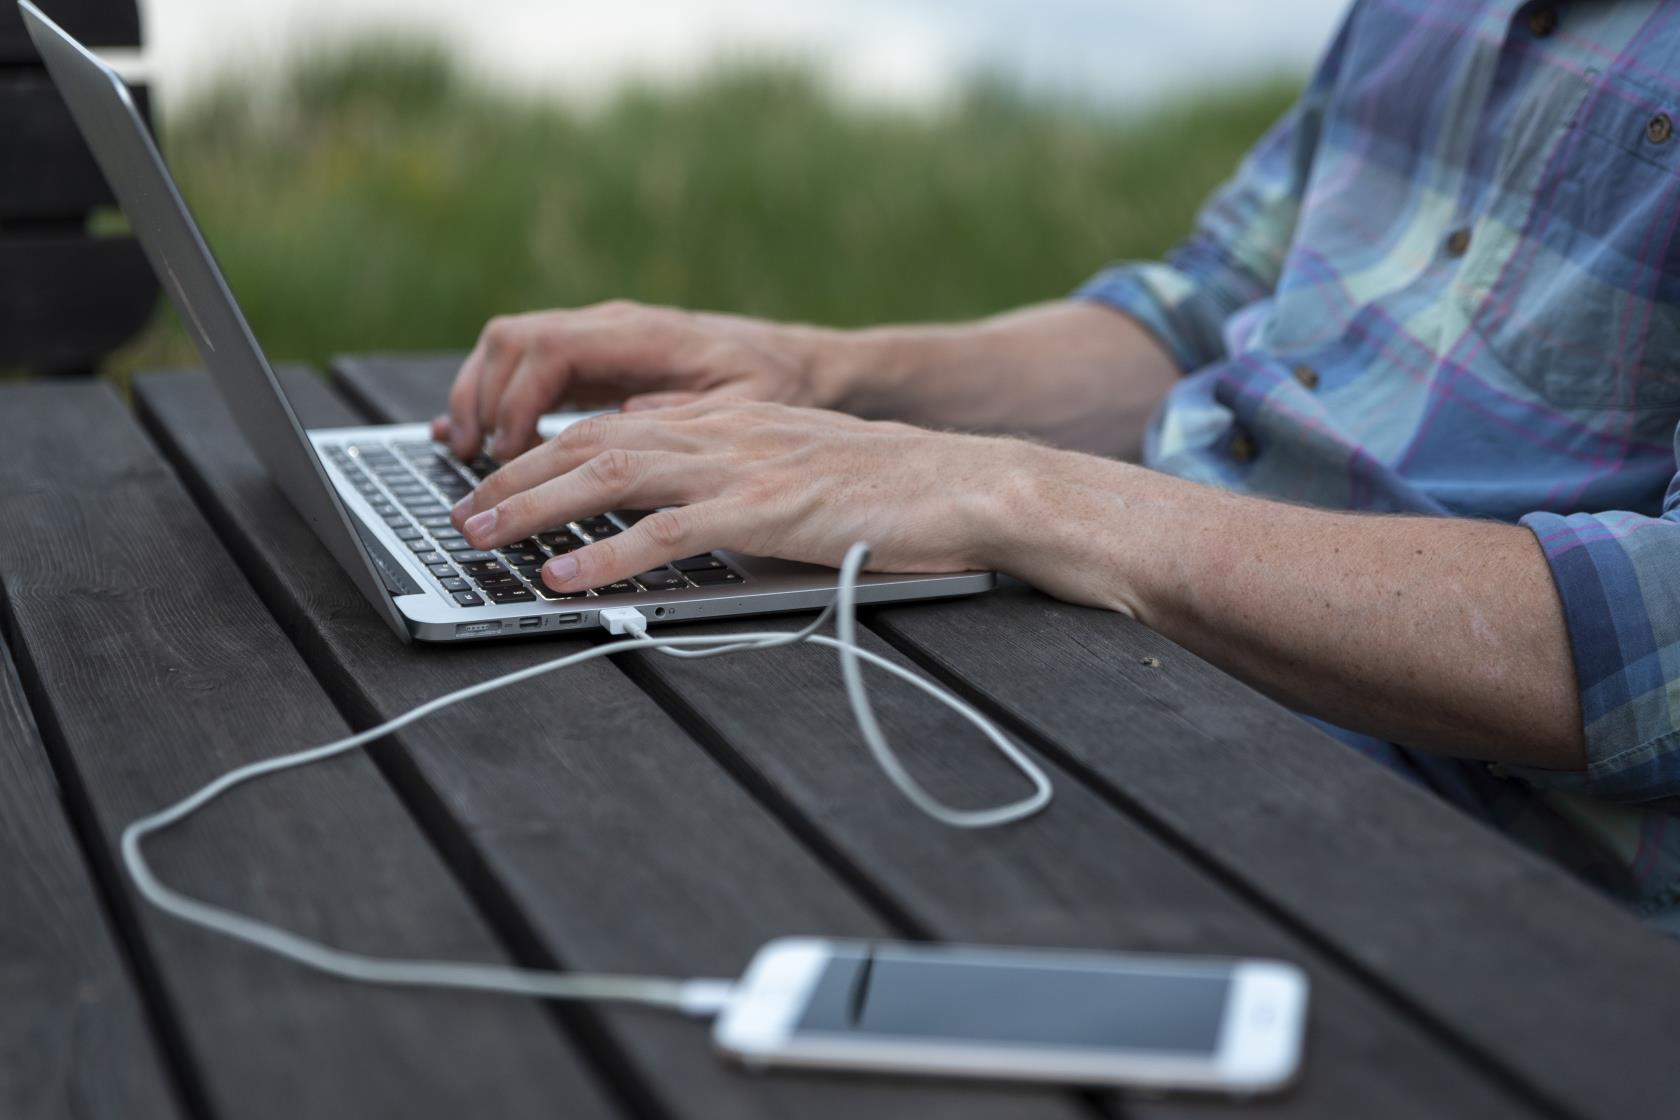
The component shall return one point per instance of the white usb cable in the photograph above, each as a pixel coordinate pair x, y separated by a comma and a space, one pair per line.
693, 997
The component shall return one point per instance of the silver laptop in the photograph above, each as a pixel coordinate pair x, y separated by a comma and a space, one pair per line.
379, 497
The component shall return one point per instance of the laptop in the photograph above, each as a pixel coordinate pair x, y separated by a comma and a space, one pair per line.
379, 497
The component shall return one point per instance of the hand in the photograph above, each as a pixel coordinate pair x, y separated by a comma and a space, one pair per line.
763, 479
622, 352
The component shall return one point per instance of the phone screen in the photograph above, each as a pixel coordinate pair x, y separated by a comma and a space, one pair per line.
947, 994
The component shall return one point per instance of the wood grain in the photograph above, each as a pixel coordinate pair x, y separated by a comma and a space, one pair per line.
596, 832
1084, 874
72, 1030
46, 170
152, 668
97, 23
67, 300
1500, 950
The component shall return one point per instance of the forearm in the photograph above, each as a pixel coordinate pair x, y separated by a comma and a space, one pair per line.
1437, 633
1072, 374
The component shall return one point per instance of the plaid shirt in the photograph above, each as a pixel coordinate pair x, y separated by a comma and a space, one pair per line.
1448, 283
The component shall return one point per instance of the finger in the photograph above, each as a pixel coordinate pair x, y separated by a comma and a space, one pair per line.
615, 479
659, 400
536, 383
463, 433
440, 429
566, 452
655, 540
505, 345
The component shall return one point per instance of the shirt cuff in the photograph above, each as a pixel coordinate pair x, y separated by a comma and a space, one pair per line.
1618, 576
1168, 304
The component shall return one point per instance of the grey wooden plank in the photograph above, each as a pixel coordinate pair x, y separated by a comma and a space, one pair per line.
49, 171
600, 834
98, 23
67, 300
152, 668
1530, 969
73, 1036
1082, 875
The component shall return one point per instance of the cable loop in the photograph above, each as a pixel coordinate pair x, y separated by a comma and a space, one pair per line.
690, 996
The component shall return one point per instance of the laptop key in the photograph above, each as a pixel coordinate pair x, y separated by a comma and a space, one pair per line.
715, 576
598, 527
622, 587
554, 596
697, 563
561, 540
455, 583
409, 534
479, 567
468, 599
475, 557
662, 579
516, 594
396, 521
503, 578
430, 559
442, 571
523, 558
459, 547
436, 521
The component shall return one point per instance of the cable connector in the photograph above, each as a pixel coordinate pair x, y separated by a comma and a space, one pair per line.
704, 999
624, 620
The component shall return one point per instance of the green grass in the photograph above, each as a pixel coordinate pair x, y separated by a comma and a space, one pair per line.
379, 199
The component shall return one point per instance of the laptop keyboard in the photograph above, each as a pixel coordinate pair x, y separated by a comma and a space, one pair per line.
413, 486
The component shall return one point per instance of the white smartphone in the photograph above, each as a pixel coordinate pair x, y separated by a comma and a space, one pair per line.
1155, 1022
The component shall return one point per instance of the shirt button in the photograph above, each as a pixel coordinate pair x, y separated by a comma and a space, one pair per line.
1659, 128
1542, 21
1242, 447
1458, 242
1307, 376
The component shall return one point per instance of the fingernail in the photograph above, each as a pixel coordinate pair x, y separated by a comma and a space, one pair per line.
481, 524
462, 508
561, 569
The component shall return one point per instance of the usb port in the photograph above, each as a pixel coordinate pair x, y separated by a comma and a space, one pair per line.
529, 623
567, 619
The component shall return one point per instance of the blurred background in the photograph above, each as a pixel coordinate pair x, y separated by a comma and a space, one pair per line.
387, 174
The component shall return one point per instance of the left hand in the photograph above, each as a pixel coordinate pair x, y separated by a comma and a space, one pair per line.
757, 478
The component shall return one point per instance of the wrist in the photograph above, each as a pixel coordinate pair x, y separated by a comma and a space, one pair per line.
1088, 529
870, 372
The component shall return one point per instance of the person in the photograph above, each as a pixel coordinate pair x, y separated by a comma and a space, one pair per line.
1405, 402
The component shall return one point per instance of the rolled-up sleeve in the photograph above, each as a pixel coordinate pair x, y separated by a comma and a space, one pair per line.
1618, 576
1235, 253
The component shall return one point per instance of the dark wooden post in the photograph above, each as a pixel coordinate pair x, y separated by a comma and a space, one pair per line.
67, 298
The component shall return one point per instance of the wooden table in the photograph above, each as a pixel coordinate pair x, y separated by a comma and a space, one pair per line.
167, 616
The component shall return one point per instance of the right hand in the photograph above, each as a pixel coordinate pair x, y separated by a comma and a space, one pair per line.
627, 354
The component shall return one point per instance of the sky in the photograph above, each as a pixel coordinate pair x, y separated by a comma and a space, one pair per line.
1120, 52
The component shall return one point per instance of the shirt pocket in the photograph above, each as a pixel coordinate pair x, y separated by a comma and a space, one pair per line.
1583, 307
